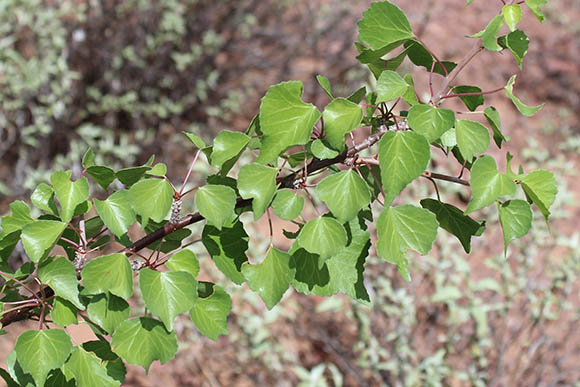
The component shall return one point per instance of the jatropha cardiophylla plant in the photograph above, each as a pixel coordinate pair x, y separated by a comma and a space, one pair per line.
359, 151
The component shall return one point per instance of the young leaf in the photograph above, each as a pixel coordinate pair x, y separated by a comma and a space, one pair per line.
151, 198
341, 116
227, 145
184, 260
69, 194
142, 340
109, 273
271, 278
104, 176
489, 34
526, 110
88, 158
108, 310
401, 228
88, 369
345, 193
38, 352
215, 203
540, 187
324, 236
487, 184
116, 212
453, 220
195, 140
258, 182
210, 311
472, 138
512, 14
534, 6
61, 276
358, 95
159, 169
285, 120
403, 156
39, 237
325, 84
430, 121
410, 96
515, 217
43, 198
517, 42
287, 205
167, 294
227, 248
470, 101
492, 117
321, 150
390, 86
384, 24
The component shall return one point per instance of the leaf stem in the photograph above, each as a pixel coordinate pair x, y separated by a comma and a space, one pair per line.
433, 55
189, 172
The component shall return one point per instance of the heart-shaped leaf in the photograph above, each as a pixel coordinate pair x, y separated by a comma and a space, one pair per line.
69, 194
227, 248
401, 228
512, 14
109, 273
271, 278
489, 34
108, 310
116, 212
515, 217
287, 205
324, 236
285, 120
210, 311
104, 176
61, 276
88, 369
258, 182
345, 193
540, 187
215, 203
43, 198
487, 184
470, 101
390, 86
517, 42
151, 198
227, 145
535, 6
167, 294
430, 121
492, 117
403, 156
340, 117
39, 237
184, 260
472, 138
384, 24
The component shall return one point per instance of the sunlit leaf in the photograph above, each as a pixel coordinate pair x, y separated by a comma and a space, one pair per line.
116, 212
324, 236
69, 194
61, 276
430, 121
487, 184
39, 237
345, 193
215, 203
472, 138
383, 24
258, 182
287, 205
515, 217
210, 311
522, 107
109, 273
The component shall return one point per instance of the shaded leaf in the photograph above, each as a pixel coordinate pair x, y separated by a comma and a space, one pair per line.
470, 101
258, 182
324, 236
287, 205
104, 176
108, 310
210, 311
227, 248
492, 117
419, 55
515, 217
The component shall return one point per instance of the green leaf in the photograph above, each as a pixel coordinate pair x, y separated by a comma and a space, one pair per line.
287, 205
258, 182
227, 248
227, 145
489, 34
108, 310
526, 110
449, 138
453, 220
151, 198
358, 95
271, 278
515, 217
324, 236
39, 237
159, 169
401, 228
215, 203
345, 193
325, 84
540, 187
63, 313
470, 101
383, 24
130, 176
517, 42
493, 119
12, 226
285, 120
534, 6
88, 369
210, 312
116, 212
184, 260
61, 276
195, 140
403, 156
109, 273
43, 198
321, 150
390, 86
341, 273
472, 138
113, 363
69, 194
419, 55
38, 352
104, 176
430, 121
512, 14
487, 184
167, 294
142, 340
88, 158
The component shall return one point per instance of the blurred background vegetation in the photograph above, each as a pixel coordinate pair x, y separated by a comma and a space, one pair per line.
125, 77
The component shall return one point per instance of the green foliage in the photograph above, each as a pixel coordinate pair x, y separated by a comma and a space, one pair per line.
360, 185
